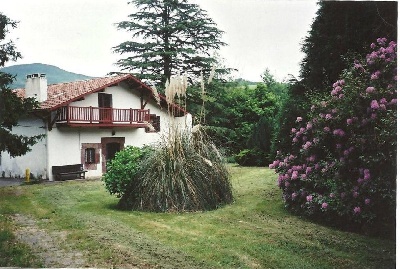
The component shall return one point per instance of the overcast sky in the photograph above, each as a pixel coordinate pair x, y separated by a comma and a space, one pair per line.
77, 35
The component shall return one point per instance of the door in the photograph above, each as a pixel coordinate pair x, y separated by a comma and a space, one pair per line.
105, 107
109, 147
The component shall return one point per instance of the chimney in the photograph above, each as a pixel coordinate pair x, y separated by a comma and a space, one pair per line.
36, 86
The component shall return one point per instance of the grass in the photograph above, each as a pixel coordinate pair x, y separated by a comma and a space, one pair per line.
253, 232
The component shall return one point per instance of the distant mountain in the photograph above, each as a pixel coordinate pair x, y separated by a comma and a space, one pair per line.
53, 73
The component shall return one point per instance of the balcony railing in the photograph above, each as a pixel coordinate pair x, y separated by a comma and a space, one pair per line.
101, 116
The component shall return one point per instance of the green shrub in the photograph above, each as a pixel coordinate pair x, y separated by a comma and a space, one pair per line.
123, 169
252, 157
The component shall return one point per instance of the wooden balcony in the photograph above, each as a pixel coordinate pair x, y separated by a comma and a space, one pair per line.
102, 117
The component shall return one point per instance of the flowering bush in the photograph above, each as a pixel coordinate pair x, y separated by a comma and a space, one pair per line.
342, 165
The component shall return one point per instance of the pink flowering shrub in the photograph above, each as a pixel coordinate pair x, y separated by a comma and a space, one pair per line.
342, 164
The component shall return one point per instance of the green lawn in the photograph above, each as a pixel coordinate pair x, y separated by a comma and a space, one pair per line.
254, 232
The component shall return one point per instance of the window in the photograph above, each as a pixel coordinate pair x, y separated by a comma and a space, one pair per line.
90, 155
155, 122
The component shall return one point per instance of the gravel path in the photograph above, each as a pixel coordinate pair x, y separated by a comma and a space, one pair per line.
50, 247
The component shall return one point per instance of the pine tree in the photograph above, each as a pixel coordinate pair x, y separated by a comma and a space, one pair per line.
168, 36
12, 107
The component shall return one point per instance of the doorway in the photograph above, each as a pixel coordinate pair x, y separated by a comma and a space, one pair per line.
105, 107
109, 147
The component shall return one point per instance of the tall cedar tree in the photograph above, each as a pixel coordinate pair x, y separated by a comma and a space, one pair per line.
339, 29
11, 106
168, 36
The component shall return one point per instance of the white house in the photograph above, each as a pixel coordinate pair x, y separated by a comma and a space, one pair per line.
87, 122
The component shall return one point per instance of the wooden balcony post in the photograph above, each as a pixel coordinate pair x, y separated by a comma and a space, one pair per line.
91, 114
67, 109
130, 115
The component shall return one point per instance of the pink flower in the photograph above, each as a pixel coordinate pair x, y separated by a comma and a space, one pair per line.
328, 116
307, 145
381, 41
309, 198
308, 170
373, 45
393, 101
299, 119
339, 132
357, 210
375, 75
374, 104
293, 130
324, 205
370, 90
326, 129
349, 121
367, 176
309, 125
295, 174
294, 195
367, 201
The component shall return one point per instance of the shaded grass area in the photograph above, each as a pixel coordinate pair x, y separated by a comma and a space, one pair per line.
253, 232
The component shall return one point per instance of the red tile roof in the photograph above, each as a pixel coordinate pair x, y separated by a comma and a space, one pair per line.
64, 93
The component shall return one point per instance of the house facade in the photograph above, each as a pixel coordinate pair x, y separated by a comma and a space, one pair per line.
87, 122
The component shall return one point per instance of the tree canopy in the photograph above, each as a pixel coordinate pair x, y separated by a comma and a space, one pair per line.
168, 36
12, 107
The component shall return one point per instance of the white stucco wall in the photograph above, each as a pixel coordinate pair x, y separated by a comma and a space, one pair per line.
35, 160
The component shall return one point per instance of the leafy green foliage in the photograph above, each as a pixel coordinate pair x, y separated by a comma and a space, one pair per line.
233, 111
252, 157
123, 170
12, 107
168, 36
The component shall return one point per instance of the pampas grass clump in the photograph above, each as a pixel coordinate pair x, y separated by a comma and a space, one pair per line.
186, 173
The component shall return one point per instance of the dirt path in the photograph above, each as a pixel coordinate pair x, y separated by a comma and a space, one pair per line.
50, 247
